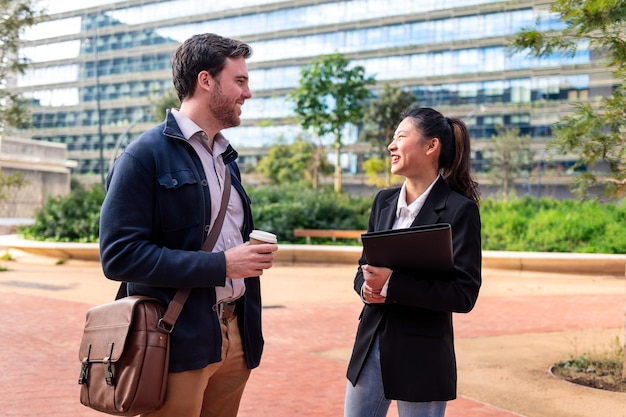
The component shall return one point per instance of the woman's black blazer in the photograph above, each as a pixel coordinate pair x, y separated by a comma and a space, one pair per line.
414, 325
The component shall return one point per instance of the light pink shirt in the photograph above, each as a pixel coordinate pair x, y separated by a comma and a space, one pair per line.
215, 169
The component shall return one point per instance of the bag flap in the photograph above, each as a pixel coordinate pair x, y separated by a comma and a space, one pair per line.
106, 329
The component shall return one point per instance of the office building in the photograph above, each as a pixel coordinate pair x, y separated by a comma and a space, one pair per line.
98, 66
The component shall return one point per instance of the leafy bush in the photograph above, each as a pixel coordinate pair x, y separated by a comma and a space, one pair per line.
546, 225
75, 218
283, 208
525, 224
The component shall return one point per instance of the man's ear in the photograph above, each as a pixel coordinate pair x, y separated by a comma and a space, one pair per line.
205, 81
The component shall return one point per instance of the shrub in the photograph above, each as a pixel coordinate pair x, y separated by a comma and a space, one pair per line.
75, 218
545, 225
525, 224
283, 208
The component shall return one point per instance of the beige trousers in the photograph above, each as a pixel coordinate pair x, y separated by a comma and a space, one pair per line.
214, 391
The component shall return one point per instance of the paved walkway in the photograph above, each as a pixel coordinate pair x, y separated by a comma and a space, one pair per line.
521, 325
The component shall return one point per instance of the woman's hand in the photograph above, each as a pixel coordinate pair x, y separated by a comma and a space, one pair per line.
375, 278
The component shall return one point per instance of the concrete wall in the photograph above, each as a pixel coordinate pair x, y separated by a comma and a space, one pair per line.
46, 170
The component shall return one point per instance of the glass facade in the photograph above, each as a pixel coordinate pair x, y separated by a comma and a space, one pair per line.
98, 66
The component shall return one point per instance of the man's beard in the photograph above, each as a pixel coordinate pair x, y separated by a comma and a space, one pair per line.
223, 110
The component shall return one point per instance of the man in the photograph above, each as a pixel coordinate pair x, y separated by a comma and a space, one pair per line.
163, 195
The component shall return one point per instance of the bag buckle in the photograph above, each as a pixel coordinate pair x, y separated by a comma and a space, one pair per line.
165, 326
110, 378
82, 379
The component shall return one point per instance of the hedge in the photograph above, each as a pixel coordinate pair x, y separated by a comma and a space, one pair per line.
524, 224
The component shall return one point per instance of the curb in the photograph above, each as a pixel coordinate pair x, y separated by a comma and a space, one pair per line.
551, 262
58, 250
557, 262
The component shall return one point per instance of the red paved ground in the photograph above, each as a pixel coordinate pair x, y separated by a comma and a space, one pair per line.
303, 367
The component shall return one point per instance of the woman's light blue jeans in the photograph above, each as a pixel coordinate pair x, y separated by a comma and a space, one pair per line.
367, 399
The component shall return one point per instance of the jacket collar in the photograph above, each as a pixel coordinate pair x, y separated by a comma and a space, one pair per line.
434, 204
172, 130
429, 213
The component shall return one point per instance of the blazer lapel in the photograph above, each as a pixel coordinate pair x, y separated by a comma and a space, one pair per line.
436, 201
388, 213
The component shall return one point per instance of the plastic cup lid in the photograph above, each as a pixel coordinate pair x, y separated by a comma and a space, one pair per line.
263, 236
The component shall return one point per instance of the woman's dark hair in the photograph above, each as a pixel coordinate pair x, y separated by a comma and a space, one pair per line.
205, 52
454, 158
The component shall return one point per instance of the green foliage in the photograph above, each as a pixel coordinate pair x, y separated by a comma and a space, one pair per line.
594, 131
6, 256
510, 157
598, 369
75, 218
545, 225
378, 173
382, 116
281, 209
597, 137
296, 162
9, 182
15, 17
17, 114
374, 167
379, 121
526, 224
330, 95
162, 103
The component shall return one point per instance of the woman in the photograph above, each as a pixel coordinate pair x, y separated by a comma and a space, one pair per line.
404, 346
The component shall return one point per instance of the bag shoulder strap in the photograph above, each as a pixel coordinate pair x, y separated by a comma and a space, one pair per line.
219, 221
177, 303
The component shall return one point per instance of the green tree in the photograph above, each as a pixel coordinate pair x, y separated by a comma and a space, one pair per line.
8, 182
168, 101
373, 167
16, 15
379, 121
330, 95
292, 163
511, 157
596, 132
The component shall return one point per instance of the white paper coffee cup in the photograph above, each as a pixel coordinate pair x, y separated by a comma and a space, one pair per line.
259, 236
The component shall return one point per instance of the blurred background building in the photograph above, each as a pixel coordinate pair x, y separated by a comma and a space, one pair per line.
45, 170
98, 67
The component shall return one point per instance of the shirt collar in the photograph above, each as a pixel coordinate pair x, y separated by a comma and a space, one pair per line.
416, 205
189, 128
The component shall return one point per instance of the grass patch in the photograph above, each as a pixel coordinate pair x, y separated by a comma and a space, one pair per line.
6, 256
600, 370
